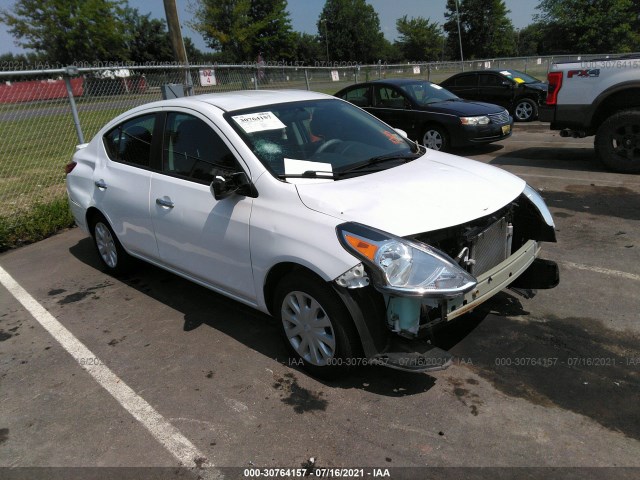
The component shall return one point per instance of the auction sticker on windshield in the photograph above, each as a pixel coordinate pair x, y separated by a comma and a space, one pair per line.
258, 122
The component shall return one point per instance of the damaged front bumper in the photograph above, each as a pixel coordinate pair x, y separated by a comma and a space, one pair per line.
412, 317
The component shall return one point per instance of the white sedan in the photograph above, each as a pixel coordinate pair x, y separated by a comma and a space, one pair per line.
309, 209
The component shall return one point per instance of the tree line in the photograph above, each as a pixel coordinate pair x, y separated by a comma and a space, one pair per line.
65, 32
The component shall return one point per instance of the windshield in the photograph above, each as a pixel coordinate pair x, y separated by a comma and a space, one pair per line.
519, 77
324, 136
425, 93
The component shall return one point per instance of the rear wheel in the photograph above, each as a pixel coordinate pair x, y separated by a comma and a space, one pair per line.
435, 138
525, 110
316, 326
617, 142
110, 251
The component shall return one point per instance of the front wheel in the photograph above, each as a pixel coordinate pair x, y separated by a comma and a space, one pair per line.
525, 110
435, 138
316, 325
617, 142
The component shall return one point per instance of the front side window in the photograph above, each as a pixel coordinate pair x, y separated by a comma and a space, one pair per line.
327, 136
387, 97
130, 142
490, 80
192, 150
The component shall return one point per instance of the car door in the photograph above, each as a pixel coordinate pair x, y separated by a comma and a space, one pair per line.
122, 183
494, 88
464, 85
197, 235
393, 107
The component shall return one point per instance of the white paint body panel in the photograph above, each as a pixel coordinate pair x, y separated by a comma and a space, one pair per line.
433, 192
231, 245
579, 90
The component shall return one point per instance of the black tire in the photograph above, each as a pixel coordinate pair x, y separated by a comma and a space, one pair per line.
525, 110
617, 142
113, 257
333, 344
435, 137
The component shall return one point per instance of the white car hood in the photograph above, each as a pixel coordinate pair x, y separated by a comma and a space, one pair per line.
433, 192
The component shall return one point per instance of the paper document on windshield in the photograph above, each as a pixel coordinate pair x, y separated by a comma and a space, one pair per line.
298, 167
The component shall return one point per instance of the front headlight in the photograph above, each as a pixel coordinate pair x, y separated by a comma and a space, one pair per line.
402, 266
481, 120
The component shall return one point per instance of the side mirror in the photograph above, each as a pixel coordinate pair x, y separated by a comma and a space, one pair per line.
507, 84
401, 132
222, 187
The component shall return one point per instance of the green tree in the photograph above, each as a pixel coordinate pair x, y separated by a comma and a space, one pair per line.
275, 37
590, 26
147, 39
529, 40
67, 31
419, 39
241, 29
485, 28
352, 30
307, 48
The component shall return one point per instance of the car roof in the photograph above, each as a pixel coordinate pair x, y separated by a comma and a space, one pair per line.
238, 100
487, 70
399, 81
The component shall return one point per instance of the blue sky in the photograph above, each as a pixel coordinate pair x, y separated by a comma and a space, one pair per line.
304, 15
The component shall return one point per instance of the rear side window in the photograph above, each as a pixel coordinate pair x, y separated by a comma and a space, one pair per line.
465, 81
130, 142
194, 151
358, 96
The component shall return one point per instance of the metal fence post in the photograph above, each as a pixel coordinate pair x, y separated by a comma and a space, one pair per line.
74, 110
429, 73
306, 78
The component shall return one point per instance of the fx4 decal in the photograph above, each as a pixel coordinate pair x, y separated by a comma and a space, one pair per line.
594, 72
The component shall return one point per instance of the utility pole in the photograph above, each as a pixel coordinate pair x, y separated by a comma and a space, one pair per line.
459, 36
326, 37
175, 33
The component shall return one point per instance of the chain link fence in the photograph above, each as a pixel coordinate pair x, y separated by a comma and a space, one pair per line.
45, 113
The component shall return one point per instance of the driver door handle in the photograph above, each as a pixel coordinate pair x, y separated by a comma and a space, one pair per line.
100, 184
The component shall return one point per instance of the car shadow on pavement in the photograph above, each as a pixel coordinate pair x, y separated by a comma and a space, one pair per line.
482, 149
204, 308
573, 159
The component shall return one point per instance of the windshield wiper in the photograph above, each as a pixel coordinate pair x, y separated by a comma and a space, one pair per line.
309, 174
381, 159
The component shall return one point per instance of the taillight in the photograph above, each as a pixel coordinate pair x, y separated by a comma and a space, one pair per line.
69, 167
555, 82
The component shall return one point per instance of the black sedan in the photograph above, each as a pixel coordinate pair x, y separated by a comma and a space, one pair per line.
429, 113
514, 90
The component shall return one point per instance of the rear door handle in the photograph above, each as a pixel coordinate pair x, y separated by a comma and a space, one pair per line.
100, 184
164, 202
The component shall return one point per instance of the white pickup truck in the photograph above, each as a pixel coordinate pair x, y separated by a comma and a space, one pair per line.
602, 98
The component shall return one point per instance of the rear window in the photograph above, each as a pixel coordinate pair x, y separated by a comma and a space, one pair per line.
130, 142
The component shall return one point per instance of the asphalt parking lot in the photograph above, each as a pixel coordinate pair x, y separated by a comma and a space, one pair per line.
219, 380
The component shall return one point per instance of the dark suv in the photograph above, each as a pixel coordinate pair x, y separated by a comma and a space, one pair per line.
518, 92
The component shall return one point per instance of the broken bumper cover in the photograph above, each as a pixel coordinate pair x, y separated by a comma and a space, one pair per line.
418, 355
494, 280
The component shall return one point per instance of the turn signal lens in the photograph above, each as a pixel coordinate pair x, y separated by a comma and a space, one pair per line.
365, 248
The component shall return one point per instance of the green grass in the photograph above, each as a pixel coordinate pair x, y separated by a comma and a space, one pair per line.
33, 156
39, 222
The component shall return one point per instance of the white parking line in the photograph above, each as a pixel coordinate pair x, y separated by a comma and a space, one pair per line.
165, 433
605, 271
